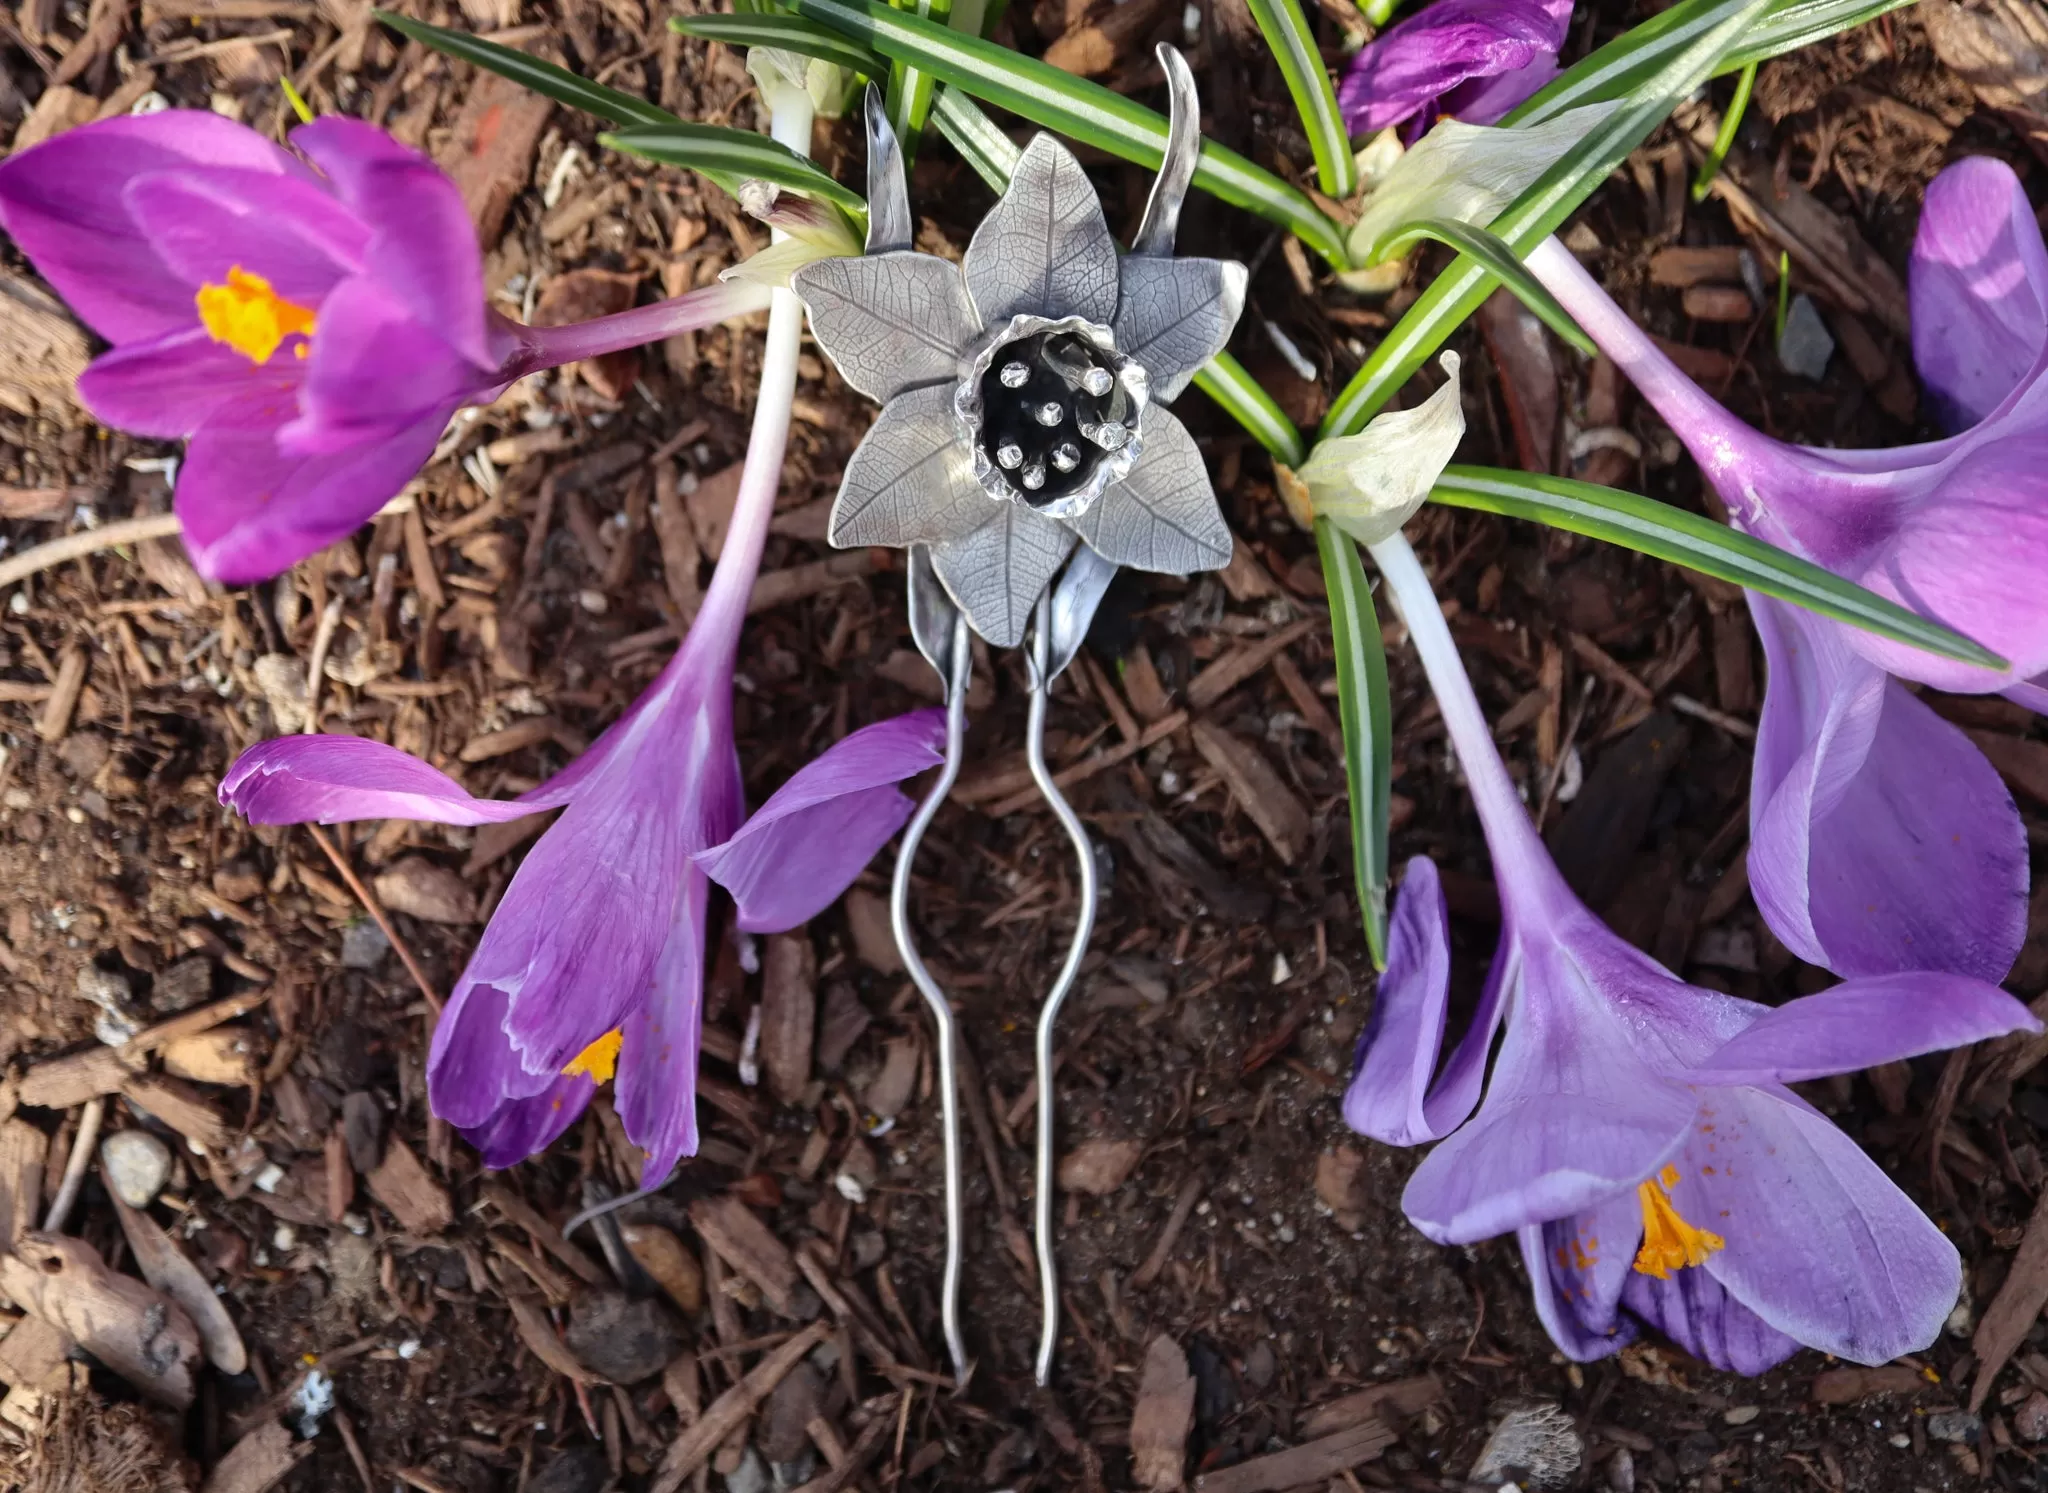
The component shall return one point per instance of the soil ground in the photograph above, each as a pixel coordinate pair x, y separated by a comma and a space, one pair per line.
558, 543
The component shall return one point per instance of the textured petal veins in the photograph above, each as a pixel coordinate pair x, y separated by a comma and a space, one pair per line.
600, 1060
251, 317
1669, 1242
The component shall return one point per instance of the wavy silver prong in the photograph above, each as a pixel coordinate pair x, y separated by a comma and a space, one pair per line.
890, 225
941, 633
1161, 223
1042, 674
1075, 596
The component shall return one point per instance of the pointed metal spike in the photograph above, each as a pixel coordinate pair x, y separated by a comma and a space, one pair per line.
1161, 223
1034, 476
890, 225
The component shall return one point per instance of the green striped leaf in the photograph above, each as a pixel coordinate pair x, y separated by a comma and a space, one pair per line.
1287, 32
729, 157
557, 83
1486, 250
1365, 711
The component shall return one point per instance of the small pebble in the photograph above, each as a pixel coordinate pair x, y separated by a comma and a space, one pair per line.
2030, 1421
751, 1476
1807, 345
1954, 1425
1742, 1415
363, 945
137, 1164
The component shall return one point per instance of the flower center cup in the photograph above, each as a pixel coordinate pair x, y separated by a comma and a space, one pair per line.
1054, 413
1669, 1242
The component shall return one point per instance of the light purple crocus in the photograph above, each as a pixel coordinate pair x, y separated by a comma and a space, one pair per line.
595, 955
308, 322
1636, 1133
1473, 59
1880, 838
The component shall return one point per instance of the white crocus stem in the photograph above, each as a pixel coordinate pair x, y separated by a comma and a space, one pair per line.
1519, 857
761, 477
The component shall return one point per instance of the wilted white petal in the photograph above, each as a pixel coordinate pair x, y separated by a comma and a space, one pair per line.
1371, 483
1468, 172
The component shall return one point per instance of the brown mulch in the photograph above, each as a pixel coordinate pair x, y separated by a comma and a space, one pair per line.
778, 1301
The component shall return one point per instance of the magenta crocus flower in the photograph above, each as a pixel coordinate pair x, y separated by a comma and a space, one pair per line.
1473, 59
1880, 838
308, 322
1636, 1133
593, 962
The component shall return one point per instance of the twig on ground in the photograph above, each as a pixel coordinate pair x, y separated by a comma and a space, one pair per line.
87, 542
376, 911
82, 1147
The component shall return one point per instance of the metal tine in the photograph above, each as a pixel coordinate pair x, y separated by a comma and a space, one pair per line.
890, 225
1081, 590
1161, 223
940, 629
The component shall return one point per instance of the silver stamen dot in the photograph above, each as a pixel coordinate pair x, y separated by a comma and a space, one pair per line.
1010, 457
1034, 476
1096, 381
1049, 414
1110, 435
1066, 456
1014, 375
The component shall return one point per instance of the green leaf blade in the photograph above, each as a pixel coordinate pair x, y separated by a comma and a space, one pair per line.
1500, 262
1294, 48
544, 78
727, 155
790, 33
1698, 543
1365, 711
1226, 381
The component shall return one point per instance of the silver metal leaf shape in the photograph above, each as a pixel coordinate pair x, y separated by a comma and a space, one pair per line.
932, 614
890, 225
888, 322
1175, 315
1074, 599
998, 572
1163, 517
1044, 249
1160, 226
911, 480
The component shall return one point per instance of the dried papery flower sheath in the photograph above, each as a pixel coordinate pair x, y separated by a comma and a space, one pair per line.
1021, 396
1637, 1135
308, 322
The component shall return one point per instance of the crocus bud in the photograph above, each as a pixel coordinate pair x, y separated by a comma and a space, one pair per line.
1370, 484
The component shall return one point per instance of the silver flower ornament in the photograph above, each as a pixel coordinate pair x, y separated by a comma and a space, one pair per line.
1021, 391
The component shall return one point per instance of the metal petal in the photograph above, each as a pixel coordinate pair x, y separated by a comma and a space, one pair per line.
888, 322
890, 225
1161, 223
911, 480
1163, 517
1074, 601
1176, 315
998, 572
1044, 250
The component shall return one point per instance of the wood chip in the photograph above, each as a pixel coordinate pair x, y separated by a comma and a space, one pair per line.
33, 1354
1992, 52
226, 1056
789, 1013
2016, 1307
730, 1410
490, 151
259, 1461
181, 1107
1340, 1186
1269, 802
23, 1152
518, 1212
731, 1228
1099, 1167
137, 1332
710, 506
1820, 241
539, 1336
42, 350
416, 1200
1846, 1386
1313, 1462
889, 1093
166, 1268
423, 889
781, 587
64, 692
62, 1083
1160, 1420
1241, 663
1528, 376
1399, 1400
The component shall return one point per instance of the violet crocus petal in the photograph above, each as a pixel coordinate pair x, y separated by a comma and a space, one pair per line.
803, 847
1577, 1269
657, 1076
1696, 1312
1434, 50
1390, 1098
1862, 1023
1573, 1116
167, 387
1880, 838
526, 1127
250, 510
335, 779
291, 232
1485, 100
1977, 285
473, 1070
63, 204
375, 369
1817, 1241
424, 245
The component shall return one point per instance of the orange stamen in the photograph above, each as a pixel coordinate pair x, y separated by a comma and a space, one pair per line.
1669, 1242
600, 1059
248, 315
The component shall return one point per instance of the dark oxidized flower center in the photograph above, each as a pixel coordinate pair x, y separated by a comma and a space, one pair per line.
1054, 408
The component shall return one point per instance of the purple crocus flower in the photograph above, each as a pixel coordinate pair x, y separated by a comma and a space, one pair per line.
1636, 1134
308, 322
1473, 59
1880, 838
594, 958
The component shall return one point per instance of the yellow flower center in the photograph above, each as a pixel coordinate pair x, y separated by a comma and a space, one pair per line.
600, 1059
251, 317
1669, 1242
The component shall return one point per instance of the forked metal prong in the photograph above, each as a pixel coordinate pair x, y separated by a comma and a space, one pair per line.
1161, 223
1041, 658
946, 647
